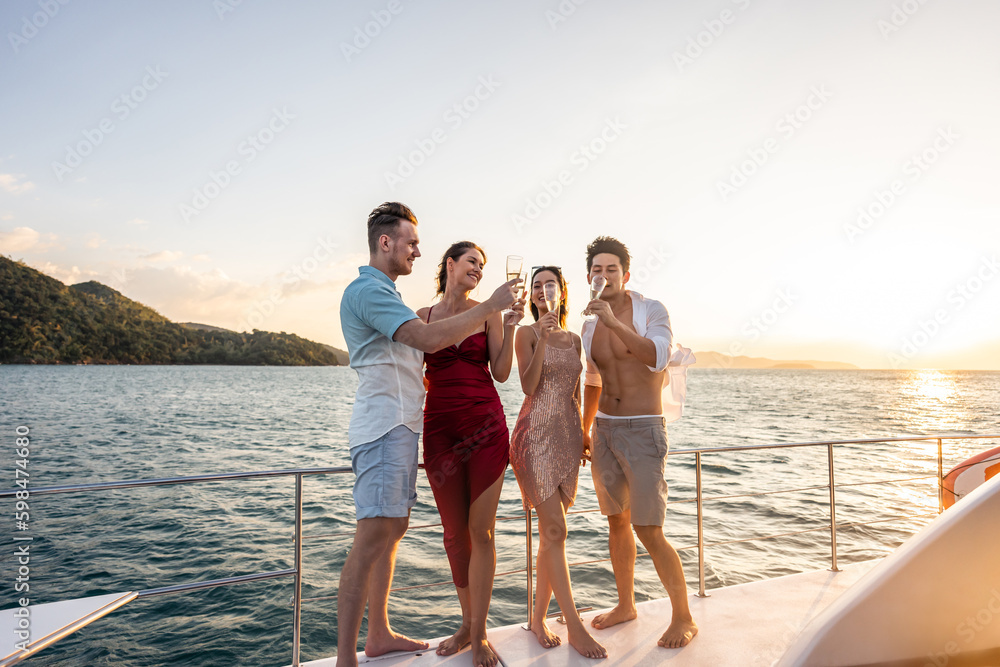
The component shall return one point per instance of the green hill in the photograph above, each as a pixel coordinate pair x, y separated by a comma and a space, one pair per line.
42, 321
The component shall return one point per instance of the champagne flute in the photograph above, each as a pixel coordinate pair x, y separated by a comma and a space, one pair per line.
597, 285
515, 263
551, 291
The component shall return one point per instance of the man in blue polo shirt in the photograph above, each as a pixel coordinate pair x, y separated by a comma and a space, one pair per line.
387, 341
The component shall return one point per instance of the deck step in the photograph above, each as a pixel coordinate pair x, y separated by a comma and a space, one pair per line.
48, 623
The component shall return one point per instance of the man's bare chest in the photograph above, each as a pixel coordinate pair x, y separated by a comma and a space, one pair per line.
608, 347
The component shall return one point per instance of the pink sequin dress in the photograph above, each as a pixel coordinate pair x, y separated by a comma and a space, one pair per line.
547, 442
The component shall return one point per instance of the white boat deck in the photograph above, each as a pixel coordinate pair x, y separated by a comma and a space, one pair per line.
50, 622
745, 625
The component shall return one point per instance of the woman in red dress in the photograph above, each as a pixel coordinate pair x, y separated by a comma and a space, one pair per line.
466, 442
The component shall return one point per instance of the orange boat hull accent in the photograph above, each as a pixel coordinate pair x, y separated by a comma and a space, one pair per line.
970, 474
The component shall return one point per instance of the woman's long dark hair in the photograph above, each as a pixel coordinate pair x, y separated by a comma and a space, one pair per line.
564, 296
454, 252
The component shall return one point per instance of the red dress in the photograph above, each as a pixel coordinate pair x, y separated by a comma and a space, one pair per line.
466, 442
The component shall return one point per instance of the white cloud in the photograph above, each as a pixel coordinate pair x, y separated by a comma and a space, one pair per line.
18, 240
21, 239
94, 240
10, 183
7, 216
184, 294
138, 221
69, 276
164, 256
200, 258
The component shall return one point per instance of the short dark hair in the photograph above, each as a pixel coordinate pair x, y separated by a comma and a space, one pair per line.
385, 219
607, 244
454, 252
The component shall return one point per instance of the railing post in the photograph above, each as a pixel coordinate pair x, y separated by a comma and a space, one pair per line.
833, 510
940, 477
701, 529
528, 566
297, 593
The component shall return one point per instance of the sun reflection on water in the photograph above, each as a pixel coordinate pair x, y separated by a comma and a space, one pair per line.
930, 402
932, 386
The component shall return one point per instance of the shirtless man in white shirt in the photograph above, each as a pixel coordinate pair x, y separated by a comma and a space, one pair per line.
628, 348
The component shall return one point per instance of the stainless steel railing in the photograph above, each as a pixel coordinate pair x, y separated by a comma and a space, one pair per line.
295, 572
699, 499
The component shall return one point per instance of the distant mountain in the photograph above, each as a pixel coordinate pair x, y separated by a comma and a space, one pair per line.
343, 357
42, 321
719, 360
200, 327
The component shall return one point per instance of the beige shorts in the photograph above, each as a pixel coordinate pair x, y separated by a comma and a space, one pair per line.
629, 458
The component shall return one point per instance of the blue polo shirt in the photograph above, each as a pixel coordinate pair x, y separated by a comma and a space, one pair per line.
390, 374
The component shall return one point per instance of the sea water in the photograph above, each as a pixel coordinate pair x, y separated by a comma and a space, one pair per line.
92, 424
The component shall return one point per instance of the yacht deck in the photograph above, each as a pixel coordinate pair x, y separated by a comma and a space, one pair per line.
745, 625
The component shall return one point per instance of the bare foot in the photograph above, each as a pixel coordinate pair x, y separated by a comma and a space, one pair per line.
455, 643
382, 644
546, 637
483, 654
617, 615
680, 633
586, 645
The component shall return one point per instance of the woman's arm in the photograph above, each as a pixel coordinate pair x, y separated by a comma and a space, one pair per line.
500, 338
578, 344
500, 331
530, 356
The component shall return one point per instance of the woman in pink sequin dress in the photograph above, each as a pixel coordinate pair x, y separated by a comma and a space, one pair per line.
546, 450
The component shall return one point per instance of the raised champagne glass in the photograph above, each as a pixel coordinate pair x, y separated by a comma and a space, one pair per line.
597, 285
515, 263
551, 291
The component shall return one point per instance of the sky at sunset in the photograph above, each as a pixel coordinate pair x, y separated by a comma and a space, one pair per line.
795, 179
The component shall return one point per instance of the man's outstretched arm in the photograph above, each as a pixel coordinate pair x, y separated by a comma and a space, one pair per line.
453, 330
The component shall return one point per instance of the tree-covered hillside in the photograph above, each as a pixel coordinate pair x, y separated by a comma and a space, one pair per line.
42, 321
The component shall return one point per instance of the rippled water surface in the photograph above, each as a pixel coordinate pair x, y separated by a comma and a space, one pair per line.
93, 424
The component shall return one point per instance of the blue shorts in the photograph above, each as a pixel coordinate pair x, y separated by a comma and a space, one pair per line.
386, 474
